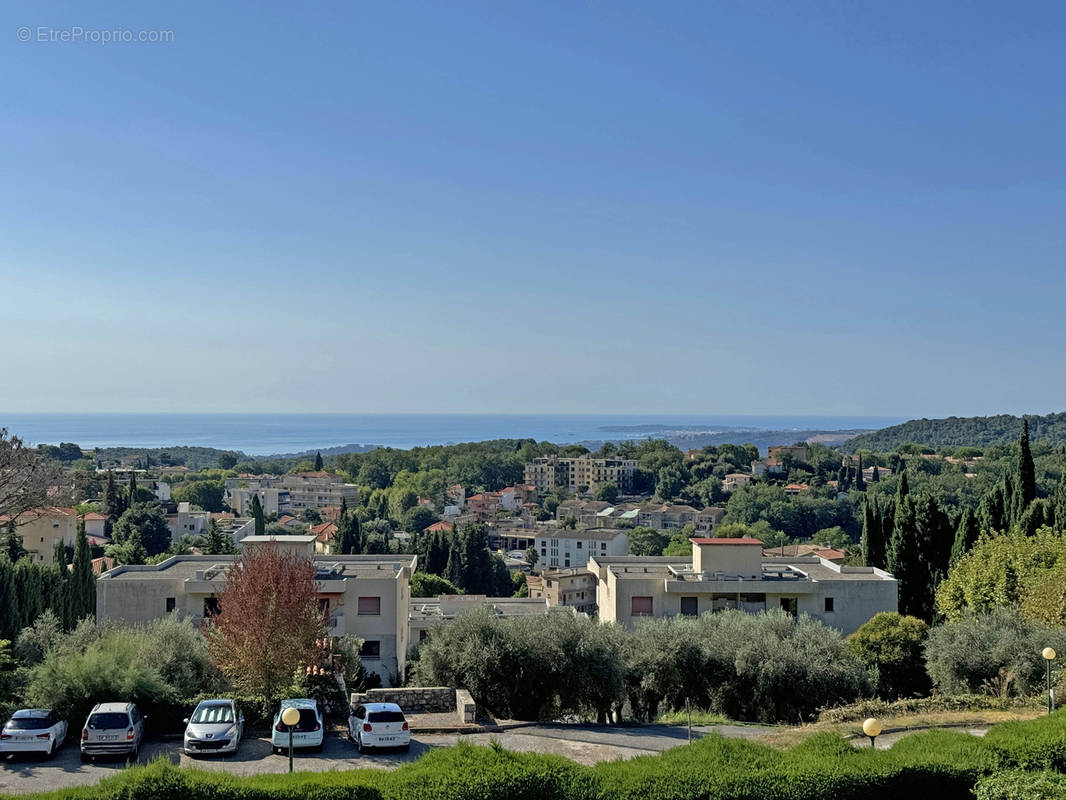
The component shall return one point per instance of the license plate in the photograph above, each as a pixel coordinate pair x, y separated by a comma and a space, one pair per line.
24, 738
387, 738
108, 738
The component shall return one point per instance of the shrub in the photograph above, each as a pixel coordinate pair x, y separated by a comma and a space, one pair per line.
1017, 785
926, 705
995, 652
891, 644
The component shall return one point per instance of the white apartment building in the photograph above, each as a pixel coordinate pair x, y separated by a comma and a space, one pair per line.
367, 596
734, 573
561, 547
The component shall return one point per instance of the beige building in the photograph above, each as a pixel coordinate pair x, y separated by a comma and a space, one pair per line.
550, 472
561, 547
427, 612
734, 573
41, 528
366, 596
289, 494
571, 588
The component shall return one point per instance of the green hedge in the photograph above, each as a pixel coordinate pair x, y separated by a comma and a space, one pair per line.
947, 765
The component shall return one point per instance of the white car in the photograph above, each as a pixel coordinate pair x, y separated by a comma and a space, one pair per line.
214, 727
308, 732
379, 725
33, 730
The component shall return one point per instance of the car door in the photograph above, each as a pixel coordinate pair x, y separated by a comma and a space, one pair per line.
239, 716
355, 724
138, 725
58, 728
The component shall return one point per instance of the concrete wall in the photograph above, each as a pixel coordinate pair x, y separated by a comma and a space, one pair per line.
413, 700
729, 559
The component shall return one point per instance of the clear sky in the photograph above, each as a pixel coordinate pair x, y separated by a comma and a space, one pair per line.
716, 207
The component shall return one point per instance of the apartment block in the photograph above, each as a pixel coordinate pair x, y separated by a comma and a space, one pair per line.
289, 494
551, 472
367, 596
427, 612
570, 588
41, 528
560, 547
735, 574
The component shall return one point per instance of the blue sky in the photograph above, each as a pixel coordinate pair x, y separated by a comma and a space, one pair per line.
835, 208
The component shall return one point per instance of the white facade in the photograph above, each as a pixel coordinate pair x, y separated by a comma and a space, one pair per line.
560, 547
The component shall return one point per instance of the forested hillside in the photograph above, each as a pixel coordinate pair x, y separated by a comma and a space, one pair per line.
1001, 429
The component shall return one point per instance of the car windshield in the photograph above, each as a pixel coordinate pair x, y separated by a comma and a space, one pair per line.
385, 716
108, 721
213, 715
28, 724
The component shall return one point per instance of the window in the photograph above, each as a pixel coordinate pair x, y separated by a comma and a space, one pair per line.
579, 545
640, 607
211, 606
370, 650
603, 545
369, 606
829, 605
171, 603
690, 606
790, 605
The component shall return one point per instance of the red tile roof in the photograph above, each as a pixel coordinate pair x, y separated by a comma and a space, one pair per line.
441, 526
324, 531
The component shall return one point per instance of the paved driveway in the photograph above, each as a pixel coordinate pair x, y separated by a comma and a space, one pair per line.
586, 745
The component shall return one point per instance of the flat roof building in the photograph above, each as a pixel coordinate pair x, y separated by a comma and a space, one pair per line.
733, 573
364, 595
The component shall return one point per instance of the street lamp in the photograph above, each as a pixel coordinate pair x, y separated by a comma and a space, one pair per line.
290, 716
1049, 655
872, 728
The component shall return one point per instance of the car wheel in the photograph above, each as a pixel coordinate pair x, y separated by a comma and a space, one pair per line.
359, 746
86, 758
406, 748
318, 747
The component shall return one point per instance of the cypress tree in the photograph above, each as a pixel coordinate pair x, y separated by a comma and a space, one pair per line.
10, 612
965, 535
113, 502
13, 543
873, 542
907, 563
860, 484
318, 462
1059, 503
258, 516
875, 476
1026, 472
903, 489
60, 599
29, 588
132, 491
82, 580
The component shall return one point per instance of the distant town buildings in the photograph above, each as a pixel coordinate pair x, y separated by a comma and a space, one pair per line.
40, 529
560, 547
551, 472
289, 494
573, 587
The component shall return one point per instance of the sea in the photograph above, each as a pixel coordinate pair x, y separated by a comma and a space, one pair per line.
272, 434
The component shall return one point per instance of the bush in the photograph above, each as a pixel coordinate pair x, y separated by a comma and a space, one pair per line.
993, 653
1016, 785
424, 584
538, 667
891, 644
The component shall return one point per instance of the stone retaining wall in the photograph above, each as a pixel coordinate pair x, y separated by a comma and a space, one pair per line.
413, 700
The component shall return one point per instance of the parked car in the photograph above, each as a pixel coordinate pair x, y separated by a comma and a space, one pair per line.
33, 730
215, 726
112, 729
307, 733
379, 725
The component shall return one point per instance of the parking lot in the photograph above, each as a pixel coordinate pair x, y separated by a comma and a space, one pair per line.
587, 745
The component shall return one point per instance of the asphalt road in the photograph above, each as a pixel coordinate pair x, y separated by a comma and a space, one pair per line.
586, 745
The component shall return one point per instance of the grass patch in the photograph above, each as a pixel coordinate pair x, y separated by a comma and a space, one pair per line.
699, 717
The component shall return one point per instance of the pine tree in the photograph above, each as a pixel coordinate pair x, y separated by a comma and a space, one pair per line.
873, 543
965, 536
1026, 472
318, 462
216, 542
258, 516
82, 580
13, 543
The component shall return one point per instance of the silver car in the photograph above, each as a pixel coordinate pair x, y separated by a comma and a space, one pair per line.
214, 727
112, 729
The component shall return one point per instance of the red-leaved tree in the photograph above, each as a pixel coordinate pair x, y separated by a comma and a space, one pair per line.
268, 621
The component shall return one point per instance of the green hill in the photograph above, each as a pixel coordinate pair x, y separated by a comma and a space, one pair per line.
1002, 429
